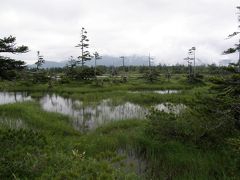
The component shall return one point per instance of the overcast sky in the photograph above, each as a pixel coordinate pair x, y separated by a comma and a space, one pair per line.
165, 28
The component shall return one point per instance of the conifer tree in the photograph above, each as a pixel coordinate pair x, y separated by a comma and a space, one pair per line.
237, 46
229, 86
96, 57
72, 63
8, 66
40, 60
84, 45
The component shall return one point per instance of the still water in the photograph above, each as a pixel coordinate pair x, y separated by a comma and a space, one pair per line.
158, 91
89, 116
170, 108
92, 115
167, 91
13, 97
12, 123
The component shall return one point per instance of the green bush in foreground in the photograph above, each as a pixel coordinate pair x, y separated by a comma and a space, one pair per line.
199, 142
22, 153
28, 155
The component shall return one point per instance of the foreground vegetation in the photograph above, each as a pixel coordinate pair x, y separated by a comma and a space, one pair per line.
199, 143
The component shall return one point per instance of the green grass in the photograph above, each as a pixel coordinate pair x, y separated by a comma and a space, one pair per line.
167, 159
32, 114
87, 91
49, 148
57, 156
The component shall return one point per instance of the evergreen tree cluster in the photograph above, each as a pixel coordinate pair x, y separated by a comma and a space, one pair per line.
8, 66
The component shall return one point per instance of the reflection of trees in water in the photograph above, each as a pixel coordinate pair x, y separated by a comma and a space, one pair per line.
91, 116
12, 123
86, 117
13, 97
134, 161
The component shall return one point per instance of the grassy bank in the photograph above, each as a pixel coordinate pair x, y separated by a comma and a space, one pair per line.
88, 91
49, 147
44, 145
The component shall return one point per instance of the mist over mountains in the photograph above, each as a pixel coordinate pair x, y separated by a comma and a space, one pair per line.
106, 61
116, 61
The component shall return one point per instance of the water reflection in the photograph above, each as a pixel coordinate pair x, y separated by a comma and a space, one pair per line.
133, 162
12, 123
158, 91
13, 97
87, 117
167, 92
171, 108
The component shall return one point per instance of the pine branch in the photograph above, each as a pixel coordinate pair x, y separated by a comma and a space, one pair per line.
233, 34
7, 45
230, 51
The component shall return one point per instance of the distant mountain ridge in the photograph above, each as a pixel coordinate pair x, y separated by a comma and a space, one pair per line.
116, 61
51, 64
106, 61
225, 62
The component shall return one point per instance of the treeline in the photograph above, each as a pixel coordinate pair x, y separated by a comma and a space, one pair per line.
11, 69
162, 69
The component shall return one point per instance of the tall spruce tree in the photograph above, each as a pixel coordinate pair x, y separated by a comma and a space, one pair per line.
40, 60
84, 45
229, 86
71, 67
72, 63
96, 57
8, 66
237, 46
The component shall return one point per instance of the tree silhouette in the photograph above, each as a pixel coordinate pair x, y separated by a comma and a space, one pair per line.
8, 45
71, 67
237, 46
96, 57
40, 60
83, 45
229, 86
8, 66
72, 63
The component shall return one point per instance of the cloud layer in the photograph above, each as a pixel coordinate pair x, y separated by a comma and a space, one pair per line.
165, 28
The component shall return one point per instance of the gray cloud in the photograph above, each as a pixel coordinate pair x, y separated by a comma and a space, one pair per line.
166, 28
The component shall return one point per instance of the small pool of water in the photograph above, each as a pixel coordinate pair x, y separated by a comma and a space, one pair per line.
171, 108
13, 97
133, 162
89, 116
158, 91
12, 123
167, 91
